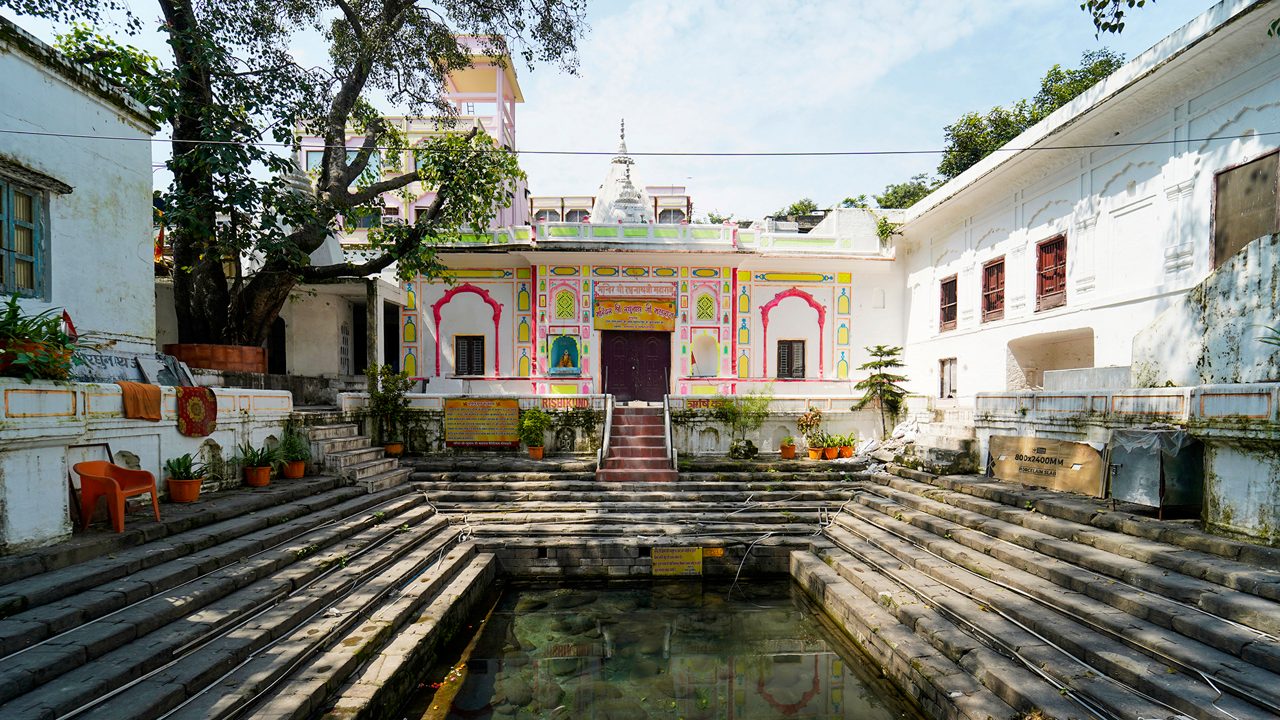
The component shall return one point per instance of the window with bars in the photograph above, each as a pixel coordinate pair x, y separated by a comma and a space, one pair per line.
993, 290
705, 307
21, 240
468, 354
566, 306
576, 216
948, 301
1051, 273
791, 359
1246, 205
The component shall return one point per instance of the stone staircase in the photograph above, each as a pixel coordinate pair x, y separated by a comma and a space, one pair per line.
563, 499
349, 455
998, 600
284, 602
637, 448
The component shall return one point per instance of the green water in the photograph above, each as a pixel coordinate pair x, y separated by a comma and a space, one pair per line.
667, 650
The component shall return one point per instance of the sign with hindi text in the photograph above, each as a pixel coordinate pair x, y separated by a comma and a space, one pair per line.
645, 315
481, 423
677, 561
1045, 462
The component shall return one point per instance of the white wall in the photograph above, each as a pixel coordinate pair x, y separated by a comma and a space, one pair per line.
1138, 220
99, 235
313, 333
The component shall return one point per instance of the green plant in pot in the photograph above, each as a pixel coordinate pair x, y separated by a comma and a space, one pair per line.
295, 451
787, 447
846, 444
257, 464
810, 426
35, 346
185, 476
388, 402
534, 423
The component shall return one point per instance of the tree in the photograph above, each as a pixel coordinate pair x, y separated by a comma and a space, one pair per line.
803, 206
881, 388
855, 202
1108, 15
973, 136
906, 194
715, 218
232, 83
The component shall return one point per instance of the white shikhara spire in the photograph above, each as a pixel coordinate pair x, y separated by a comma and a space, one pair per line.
619, 200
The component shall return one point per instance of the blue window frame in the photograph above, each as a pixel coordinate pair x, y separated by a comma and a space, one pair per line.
22, 241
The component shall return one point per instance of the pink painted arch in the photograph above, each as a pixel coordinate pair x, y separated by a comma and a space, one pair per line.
497, 316
822, 325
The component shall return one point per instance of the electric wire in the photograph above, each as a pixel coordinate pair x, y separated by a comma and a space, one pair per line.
664, 153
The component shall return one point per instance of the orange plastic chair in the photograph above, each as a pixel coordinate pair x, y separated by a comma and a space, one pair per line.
101, 479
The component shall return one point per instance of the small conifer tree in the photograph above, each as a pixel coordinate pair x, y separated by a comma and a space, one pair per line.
881, 388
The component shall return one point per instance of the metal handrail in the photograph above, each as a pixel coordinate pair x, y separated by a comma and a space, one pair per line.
608, 428
666, 427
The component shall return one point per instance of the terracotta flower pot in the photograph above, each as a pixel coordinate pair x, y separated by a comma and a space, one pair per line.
294, 469
535, 453
846, 451
184, 491
830, 453
815, 453
393, 449
788, 452
257, 476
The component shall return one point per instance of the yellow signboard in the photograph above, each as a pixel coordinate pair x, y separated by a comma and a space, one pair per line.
1044, 462
481, 423
653, 315
674, 561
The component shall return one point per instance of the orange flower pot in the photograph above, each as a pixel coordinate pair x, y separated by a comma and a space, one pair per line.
815, 453
535, 453
831, 453
294, 469
846, 451
788, 452
184, 491
257, 476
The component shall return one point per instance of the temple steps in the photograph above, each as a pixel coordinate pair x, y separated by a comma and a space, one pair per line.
244, 616
1041, 610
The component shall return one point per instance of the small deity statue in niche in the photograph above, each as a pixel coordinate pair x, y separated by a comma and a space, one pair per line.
565, 360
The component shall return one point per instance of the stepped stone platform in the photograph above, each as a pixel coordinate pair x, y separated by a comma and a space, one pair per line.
320, 598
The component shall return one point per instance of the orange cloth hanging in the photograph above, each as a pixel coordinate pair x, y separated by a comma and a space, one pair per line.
141, 401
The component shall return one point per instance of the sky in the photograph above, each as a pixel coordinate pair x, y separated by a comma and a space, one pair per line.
779, 76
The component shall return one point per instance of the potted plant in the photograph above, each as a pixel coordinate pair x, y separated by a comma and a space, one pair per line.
257, 464
788, 448
388, 402
185, 478
295, 451
846, 444
35, 346
533, 426
810, 426
830, 447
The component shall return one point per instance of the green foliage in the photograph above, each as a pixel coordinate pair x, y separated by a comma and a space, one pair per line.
388, 400
973, 136
810, 426
744, 413
35, 346
886, 229
534, 423
906, 194
803, 206
743, 449
716, 218
184, 467
881, 388
855, 202
136, 72
788, 440
1272, 337
1108, 15
257, 457
294, 447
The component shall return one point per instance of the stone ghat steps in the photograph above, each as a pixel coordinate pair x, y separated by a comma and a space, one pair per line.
983, 593
502, 464
632, 495
258, 622
644, 529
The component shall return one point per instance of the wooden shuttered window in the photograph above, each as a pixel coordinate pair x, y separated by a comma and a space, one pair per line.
790, 358
1246, 205
947, 304
1051, 273
993, 290
21, 240
469, 354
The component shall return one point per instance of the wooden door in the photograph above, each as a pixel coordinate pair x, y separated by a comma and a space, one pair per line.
636, 365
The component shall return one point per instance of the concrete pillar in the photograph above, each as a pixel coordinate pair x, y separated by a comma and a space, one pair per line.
373, 316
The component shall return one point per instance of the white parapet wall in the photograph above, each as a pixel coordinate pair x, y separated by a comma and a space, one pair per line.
45, 427
1239, 425
696, 432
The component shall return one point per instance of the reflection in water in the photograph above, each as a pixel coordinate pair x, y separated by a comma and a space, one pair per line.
670, 650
